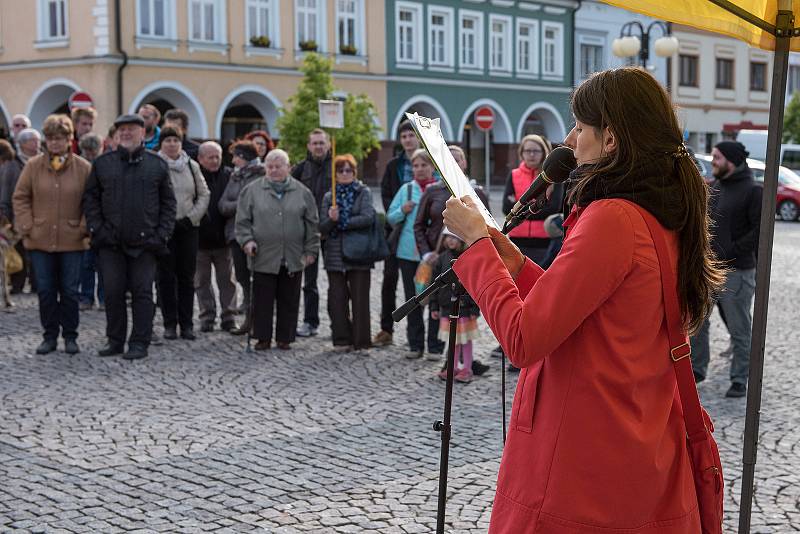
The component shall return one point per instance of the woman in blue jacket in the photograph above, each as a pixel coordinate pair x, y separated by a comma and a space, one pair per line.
403, 210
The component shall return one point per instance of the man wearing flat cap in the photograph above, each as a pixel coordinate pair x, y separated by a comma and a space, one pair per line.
735, 210
130, 211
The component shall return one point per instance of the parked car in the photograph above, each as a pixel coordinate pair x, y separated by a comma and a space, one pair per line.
755, 141
787, 205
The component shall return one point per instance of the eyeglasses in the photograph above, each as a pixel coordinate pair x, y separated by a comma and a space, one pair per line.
531, 152
346, 170
20, 125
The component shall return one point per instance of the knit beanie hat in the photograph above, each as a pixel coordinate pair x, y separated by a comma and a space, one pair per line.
733, 151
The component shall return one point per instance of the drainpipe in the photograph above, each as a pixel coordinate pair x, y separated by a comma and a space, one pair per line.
574, 39
118, 37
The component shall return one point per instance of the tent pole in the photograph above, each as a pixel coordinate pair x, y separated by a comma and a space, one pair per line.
767, 231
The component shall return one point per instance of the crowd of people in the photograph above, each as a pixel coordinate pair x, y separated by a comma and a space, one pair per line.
145, 218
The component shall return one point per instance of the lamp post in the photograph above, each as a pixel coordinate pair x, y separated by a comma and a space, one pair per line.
628, 44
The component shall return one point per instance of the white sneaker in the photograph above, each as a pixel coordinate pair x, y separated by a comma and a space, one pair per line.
306, 330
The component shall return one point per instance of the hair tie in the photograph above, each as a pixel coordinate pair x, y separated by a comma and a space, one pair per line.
681, 152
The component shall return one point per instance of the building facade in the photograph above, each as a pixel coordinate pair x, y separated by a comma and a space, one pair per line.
596, 26
231, 64
720, 85
448, 58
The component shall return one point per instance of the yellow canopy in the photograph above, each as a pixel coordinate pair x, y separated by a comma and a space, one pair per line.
705, 15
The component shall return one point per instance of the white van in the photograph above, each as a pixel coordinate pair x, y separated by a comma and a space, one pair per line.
755, 141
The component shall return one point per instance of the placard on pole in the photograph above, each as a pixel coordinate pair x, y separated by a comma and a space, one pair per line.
331, 115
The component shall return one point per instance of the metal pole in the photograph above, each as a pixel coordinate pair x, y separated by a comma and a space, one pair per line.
487, 163
767, 231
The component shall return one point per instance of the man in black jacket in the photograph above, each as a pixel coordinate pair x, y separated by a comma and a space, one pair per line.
130, 211
213, 248
735, 209
315, 173
398, 172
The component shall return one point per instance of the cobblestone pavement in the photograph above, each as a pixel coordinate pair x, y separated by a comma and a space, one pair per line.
203, 436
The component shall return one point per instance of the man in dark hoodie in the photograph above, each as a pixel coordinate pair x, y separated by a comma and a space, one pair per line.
315, 173
213, 247
735, 209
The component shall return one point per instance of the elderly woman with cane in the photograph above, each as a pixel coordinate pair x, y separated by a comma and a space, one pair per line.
606, 400
276, 226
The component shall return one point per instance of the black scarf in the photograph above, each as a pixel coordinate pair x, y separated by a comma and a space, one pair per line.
653, 185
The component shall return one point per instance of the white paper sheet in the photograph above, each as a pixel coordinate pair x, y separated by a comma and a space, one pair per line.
430, 135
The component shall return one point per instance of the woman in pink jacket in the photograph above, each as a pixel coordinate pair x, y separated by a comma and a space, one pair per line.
597, 439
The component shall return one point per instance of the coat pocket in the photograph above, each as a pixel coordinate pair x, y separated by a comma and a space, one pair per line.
526, 393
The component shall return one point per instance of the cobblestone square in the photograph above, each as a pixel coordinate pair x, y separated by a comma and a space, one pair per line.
203, 436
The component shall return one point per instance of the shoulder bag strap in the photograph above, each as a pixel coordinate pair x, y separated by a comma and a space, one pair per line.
680, 350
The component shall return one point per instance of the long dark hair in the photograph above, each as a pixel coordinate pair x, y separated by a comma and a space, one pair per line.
639, 113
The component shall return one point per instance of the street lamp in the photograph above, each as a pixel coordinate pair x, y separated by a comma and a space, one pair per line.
628, 44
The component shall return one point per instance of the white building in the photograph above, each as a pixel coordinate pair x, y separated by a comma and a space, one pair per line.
721, 85
596, 26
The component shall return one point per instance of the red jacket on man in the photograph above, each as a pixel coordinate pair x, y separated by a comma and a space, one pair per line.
597, 440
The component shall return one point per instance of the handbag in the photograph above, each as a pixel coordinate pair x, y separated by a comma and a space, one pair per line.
365, 245
700, 442
393, 240
13, 261
424, 274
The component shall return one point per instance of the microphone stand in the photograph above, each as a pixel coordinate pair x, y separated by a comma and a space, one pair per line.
449, 277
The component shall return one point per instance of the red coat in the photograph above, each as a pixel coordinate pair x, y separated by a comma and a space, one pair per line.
596, 440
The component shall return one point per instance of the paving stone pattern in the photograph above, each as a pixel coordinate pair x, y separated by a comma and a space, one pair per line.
203, 436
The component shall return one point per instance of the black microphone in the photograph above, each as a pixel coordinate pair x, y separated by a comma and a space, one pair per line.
555, 169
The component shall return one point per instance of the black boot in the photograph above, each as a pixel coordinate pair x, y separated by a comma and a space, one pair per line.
47, 346
71, 346
111, 350
135, 352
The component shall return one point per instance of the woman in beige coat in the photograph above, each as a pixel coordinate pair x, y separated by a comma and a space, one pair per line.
176, 269
48, 215
277, 226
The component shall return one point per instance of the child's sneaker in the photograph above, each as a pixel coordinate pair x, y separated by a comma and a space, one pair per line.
464, 375
442, 374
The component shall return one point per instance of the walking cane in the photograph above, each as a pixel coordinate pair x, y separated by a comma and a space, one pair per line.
249, 318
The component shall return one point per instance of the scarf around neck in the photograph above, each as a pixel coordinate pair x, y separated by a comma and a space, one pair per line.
654, 185
278, 187
423, 184
345, 198
176, 165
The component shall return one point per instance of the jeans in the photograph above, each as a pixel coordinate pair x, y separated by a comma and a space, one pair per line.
311, 295
735, 302
122, 273
88, 272
57, 276
176, 278
391, 272
415, 329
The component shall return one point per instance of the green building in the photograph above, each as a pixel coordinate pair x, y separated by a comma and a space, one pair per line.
448, 58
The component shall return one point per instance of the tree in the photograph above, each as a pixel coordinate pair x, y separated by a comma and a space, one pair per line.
791, 120
358, 137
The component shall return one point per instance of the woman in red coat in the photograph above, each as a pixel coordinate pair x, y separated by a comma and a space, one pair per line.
597, 440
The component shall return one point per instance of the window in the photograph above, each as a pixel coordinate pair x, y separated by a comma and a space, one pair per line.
591, 59
553, 49
687, 66
793, 83
262, 21
156, 19
206, 21
440, 36
500, 43
409, 37
310, 17
758, 76
349, 26
53, 20
470, 38
724, 73
527, 46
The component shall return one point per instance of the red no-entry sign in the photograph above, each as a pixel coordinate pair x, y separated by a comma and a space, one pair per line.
484, 118
79, 99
